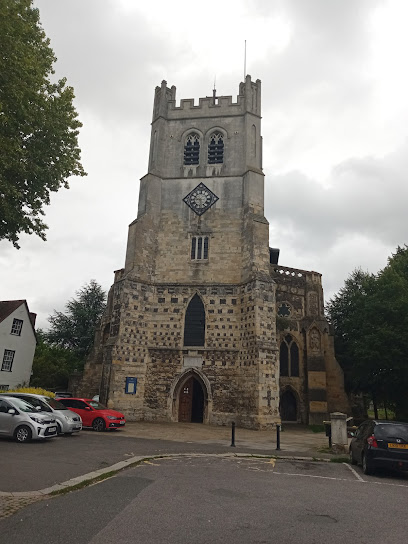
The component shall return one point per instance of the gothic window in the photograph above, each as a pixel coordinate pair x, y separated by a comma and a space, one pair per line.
289, 357
194, 324
284, 309
199, 248
216, 148
192, 149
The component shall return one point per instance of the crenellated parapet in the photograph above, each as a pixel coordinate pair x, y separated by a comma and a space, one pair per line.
248, 101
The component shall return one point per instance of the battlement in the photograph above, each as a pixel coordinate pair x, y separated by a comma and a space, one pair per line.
285, 273
248, 100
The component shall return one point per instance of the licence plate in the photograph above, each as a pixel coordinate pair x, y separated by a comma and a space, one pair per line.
52, 429
398, 446
122, 422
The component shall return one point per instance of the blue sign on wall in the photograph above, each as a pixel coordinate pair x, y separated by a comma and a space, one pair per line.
131, 385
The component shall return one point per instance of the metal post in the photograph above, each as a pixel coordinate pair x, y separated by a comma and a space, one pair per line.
233, 434
278, 430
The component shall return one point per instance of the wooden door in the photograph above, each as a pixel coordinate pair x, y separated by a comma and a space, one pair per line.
186, 401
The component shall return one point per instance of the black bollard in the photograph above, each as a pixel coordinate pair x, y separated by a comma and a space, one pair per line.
233, 434
278, 429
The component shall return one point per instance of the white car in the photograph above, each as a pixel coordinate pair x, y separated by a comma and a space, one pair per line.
23, 422
67, 421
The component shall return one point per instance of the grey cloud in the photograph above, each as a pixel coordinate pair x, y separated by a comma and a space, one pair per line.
366, 196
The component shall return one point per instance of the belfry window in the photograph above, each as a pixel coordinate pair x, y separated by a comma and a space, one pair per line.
216, 148
199, 248
194, 324
192, 150
289, 357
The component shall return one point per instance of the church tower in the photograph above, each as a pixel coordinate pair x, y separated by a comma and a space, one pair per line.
191, 331
189, 334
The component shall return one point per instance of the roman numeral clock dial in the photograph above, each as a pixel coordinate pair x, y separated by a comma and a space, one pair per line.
200, 199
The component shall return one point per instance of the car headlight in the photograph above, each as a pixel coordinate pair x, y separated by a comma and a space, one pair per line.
112, 417
37, 419
69, 419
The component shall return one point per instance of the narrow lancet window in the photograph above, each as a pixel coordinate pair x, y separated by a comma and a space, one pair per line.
199, 248
289, 357
194, 324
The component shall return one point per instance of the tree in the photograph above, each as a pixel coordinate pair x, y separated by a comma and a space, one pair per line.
370, 319
75, 329
38, 123
52, 365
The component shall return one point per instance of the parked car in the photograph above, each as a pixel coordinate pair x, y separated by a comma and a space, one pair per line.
67, 422
94, 414
23, 422
380, 444
63, 394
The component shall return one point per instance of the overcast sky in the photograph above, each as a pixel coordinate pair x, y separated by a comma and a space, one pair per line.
335, 126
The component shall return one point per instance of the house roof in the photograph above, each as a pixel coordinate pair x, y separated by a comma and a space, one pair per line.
7, 307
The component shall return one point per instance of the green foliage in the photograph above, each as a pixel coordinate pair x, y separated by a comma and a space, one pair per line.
38, 123
370, 319
74, 330
52, 365
32, 390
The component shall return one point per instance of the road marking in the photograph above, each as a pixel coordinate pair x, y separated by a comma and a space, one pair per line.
273, 462
356, 474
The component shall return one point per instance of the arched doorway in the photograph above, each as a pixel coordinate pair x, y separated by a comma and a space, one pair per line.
288, 406
191, 401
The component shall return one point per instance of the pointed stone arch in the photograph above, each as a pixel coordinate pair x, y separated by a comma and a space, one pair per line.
289, 405
176, 389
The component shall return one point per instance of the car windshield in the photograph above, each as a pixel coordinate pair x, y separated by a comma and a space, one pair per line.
391, 431
97, 405
55, 404
22, 405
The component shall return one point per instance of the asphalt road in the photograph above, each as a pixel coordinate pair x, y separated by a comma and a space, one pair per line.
214, 499
38, 464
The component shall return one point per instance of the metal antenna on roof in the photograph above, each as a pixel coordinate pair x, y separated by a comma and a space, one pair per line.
245, 61
214, 92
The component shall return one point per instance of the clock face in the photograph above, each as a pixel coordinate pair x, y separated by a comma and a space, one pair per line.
200, 199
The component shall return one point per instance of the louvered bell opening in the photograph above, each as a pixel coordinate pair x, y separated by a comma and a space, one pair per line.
216, 152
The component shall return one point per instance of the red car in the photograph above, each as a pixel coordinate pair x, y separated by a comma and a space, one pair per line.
94, 414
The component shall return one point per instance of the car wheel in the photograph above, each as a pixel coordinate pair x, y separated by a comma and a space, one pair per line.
59, 429
366, 466
23, 434
98, 424
353, 460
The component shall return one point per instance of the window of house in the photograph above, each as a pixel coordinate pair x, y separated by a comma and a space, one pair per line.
199, 248
194, 324
192, 150
4, 387
17, 326
289, 357
216, 148
8, 358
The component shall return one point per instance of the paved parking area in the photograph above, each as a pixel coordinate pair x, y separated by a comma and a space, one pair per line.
226, 499
38, 465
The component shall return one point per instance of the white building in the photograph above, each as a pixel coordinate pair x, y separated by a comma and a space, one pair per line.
17, 343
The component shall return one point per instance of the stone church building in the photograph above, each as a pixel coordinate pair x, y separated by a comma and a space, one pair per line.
202, 323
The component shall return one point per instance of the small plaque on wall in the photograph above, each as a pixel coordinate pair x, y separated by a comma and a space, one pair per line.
196, 361
131, 385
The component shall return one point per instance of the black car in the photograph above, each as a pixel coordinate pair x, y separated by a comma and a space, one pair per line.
380, 444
